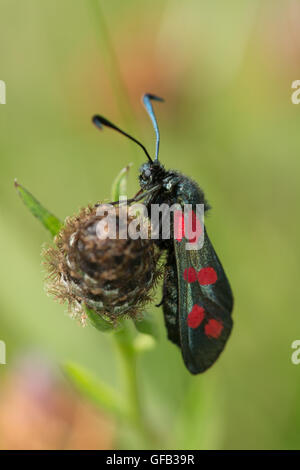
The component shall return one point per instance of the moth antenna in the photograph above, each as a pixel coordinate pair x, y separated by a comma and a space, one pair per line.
148, 105
101, 121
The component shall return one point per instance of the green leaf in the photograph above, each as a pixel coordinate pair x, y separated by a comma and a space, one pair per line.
94, 389
147, 325
50, 222
119, 187
98, 321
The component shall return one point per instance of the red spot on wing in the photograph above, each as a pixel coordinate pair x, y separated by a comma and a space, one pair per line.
213, 328
190, 275
195, 317
189, 227
207, 276
178, 225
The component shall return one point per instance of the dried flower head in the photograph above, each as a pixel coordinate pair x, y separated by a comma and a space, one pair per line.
113, 277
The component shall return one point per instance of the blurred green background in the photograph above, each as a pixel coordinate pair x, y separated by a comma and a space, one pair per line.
225, 70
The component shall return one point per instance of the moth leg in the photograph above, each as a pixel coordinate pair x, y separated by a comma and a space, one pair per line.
161, 302
139, 195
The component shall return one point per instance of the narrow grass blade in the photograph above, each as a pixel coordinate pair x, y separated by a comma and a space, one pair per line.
119, 187
50, 222
92, 388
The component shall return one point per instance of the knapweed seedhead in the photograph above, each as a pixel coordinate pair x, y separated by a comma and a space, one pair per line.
113, 277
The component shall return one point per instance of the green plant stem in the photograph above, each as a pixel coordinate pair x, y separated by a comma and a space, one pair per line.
128, 364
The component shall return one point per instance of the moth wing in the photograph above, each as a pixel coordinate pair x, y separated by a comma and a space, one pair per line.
204, 311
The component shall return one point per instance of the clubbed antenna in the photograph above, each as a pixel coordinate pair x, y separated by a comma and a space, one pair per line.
100, 121
148, 105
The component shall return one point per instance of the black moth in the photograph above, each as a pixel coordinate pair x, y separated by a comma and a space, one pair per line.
197, 299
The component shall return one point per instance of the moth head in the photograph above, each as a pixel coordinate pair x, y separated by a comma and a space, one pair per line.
150, 174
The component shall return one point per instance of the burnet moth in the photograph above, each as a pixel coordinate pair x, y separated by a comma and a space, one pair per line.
197, 299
